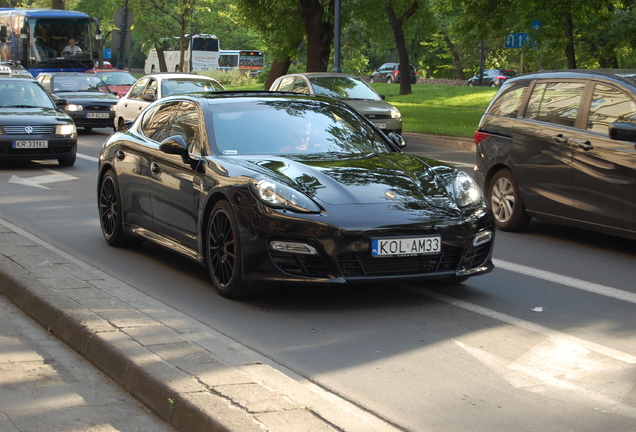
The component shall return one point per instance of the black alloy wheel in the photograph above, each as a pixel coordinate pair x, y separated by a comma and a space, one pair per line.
110, 214
224, 252
505, 201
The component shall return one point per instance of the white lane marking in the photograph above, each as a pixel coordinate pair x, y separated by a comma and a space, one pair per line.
89, 158
536, 328
567, 281
39, 181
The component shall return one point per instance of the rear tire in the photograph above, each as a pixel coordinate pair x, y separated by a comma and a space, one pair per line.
505, 201
389, 79
110, 212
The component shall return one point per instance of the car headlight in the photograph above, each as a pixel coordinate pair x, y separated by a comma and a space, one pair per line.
278, 196
66, 129
395, 113
465, 191
73, 107
113, 107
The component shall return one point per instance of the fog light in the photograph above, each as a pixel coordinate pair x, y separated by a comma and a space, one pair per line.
482, 237
293, 247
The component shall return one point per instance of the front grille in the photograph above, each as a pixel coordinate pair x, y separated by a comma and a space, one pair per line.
19, 130
96, 107
362, 264
378, 116
476, 255
301, 265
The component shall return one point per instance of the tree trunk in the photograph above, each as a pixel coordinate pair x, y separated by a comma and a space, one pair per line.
569, 44
400, 43
162, 59
456, 59
279, 68
319, 31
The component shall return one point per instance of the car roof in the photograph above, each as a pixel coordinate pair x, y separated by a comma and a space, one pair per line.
244, 95
625, 76
109, 70
18, 78
177, 75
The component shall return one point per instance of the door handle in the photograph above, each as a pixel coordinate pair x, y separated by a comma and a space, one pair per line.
583, 144
560, 139
155, 168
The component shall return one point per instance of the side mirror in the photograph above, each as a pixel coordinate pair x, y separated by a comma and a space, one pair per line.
622, 131
59, 102
397, 140
149, 98
176, 145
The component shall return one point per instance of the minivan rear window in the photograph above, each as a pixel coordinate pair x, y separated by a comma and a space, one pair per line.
509, 101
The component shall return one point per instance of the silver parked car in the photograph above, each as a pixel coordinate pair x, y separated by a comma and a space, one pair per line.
351, 89
156, 86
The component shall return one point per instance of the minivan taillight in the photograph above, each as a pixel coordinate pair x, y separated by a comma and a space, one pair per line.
480, 136
396, 72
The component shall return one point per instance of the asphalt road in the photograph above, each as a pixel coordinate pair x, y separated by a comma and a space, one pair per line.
545, 342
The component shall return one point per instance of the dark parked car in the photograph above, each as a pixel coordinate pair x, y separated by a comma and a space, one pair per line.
492, 78
390, 73
561, 146
271, 189
90, 102
350, 89
31, 126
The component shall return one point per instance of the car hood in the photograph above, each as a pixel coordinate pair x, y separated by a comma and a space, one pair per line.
120, 89
87, 96
33, 116
337, 179
369, 107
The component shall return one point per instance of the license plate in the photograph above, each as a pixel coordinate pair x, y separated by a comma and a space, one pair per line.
388, 247
381, 125
97, 115
26, 144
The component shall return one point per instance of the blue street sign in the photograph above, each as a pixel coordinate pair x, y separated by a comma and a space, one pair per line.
516, 40
106, 53
536, 25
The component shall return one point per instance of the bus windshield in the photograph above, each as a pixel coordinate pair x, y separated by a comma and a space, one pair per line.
48, 39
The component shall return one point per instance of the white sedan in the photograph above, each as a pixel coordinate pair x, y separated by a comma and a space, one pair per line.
156, 86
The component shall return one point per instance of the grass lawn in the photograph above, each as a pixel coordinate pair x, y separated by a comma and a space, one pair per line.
434, 109
439, 109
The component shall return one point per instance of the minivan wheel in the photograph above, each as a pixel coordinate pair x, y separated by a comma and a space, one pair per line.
505, 201
389, 79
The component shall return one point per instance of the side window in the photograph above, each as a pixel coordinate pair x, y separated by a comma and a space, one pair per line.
186, 123
509, 101
556, 102
609, 105
157, 125
286, 84
300, 86
135, 91
151, 89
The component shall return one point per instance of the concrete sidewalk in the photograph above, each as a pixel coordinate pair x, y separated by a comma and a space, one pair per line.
174, 365
167, 361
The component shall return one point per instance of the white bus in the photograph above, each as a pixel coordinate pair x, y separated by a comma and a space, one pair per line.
201, 54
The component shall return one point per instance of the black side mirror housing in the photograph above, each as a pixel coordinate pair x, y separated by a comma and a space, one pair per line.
622, 131
397, 140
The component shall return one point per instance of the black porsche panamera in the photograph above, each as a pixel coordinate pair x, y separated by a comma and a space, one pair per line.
266, 189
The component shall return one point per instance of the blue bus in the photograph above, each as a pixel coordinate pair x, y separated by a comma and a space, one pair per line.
49, 40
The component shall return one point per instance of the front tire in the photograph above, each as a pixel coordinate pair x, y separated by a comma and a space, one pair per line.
223, 257
505, 201
389, 79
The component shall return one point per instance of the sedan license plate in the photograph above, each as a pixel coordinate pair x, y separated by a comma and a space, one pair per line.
381, 125
27, 144
97, 115
409, 246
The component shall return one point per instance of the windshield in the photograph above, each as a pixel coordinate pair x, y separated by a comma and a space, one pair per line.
343, 88
183, 86
117, 78
275, 126
79, 83
60, 40
15, 94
